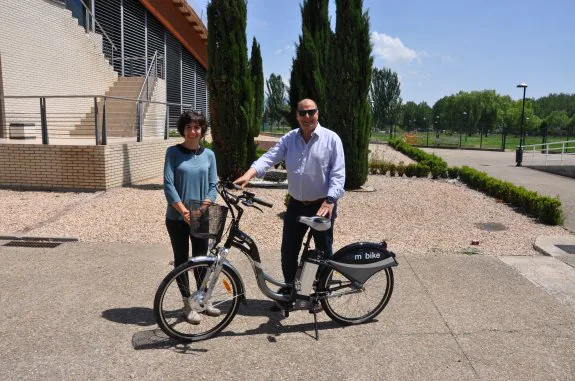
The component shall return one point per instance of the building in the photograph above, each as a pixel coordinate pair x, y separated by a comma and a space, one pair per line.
90, 88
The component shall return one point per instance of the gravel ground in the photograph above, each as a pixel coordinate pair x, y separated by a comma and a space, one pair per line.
419, 216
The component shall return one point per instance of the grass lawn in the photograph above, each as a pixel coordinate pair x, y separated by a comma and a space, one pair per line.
487, 142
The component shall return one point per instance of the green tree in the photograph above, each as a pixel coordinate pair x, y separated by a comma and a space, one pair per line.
257, 77
229, 83
544, 106
309, 67
385, 98
557, 123
276, 102
351, 65
423, 116
409, 114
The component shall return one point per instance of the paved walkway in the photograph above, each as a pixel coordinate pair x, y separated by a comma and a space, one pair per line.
501, 165
84, 311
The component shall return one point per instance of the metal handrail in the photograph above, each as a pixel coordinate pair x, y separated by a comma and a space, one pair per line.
100, 109
99, 25
92, 96
545, 149
146, 84
152, 66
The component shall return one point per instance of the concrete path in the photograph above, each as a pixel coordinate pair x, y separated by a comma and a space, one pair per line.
501, 165
84, 311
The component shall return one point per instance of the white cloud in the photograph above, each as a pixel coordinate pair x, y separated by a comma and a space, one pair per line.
391, 49
284, 49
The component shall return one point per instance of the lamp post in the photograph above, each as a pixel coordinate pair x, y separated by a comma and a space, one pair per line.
519, 152
426, 132
464, 115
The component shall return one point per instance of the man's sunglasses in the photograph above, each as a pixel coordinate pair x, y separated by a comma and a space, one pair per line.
308, 112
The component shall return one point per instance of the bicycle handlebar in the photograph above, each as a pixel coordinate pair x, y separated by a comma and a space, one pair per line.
262, 202
248, 196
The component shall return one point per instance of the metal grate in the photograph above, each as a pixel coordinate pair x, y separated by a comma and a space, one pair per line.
37, 244
173, 77
569, 249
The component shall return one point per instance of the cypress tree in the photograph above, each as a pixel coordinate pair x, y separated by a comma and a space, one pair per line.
310, 63
229, 84
257, 77
351, 66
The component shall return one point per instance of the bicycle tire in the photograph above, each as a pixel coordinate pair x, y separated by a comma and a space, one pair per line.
332, 283
168, 303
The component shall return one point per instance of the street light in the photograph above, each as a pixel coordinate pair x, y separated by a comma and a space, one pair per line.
464, 115
519, 152
426, 133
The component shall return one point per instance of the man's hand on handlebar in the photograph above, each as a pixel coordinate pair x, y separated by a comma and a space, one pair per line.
243, 180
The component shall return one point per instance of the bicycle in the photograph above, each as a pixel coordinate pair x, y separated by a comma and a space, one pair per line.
356, 271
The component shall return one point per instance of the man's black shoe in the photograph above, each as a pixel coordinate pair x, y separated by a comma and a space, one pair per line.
277, 306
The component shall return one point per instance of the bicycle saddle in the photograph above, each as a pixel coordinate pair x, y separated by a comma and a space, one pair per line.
316, 222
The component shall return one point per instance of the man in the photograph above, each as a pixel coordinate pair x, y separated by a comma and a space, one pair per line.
315, 166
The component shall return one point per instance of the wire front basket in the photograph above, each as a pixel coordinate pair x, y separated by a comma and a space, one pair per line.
207, 221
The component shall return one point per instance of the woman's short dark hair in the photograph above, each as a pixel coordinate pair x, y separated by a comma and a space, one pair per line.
190, 116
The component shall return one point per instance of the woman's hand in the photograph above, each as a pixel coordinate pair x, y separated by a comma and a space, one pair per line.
186, 215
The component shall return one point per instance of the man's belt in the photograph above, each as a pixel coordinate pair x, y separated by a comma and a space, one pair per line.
312, 202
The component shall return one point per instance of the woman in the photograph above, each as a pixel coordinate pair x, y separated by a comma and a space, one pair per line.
189, 173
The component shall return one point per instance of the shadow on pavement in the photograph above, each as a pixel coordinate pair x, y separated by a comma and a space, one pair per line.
274, 327
156, 339
141, 316
145, 186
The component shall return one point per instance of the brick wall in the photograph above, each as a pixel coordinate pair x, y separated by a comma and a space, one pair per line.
45, 52
37, 166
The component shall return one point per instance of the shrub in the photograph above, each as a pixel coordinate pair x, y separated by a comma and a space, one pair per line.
437, 166
545, 209
400, 169
422, 170
453, 172
411, 170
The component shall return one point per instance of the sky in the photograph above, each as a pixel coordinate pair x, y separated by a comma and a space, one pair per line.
441, 47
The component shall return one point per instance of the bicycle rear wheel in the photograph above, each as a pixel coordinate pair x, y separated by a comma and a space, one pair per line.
168, 303
349, 303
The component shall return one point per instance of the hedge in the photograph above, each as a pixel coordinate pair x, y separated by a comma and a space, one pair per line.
437, 166
545, 209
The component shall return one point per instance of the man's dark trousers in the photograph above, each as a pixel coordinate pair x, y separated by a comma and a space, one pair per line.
294, 233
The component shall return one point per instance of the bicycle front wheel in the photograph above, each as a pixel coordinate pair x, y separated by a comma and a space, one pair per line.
183, 282
349, 303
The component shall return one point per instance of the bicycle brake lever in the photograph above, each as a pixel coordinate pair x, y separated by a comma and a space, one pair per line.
250, 203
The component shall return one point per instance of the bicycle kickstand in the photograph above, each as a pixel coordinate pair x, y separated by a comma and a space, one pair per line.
314, 305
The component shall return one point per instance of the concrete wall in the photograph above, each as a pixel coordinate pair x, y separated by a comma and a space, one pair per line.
562, 170
45, 52
85, 168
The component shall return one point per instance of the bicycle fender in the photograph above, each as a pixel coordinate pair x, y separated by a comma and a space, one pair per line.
359, 261
228, 266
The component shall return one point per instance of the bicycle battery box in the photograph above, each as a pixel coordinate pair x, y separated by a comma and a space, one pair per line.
359, 261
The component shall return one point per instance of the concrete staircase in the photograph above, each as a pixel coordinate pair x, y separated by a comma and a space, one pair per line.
45, 52
121, 120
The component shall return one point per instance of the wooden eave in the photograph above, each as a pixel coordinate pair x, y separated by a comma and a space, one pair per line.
182, 21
